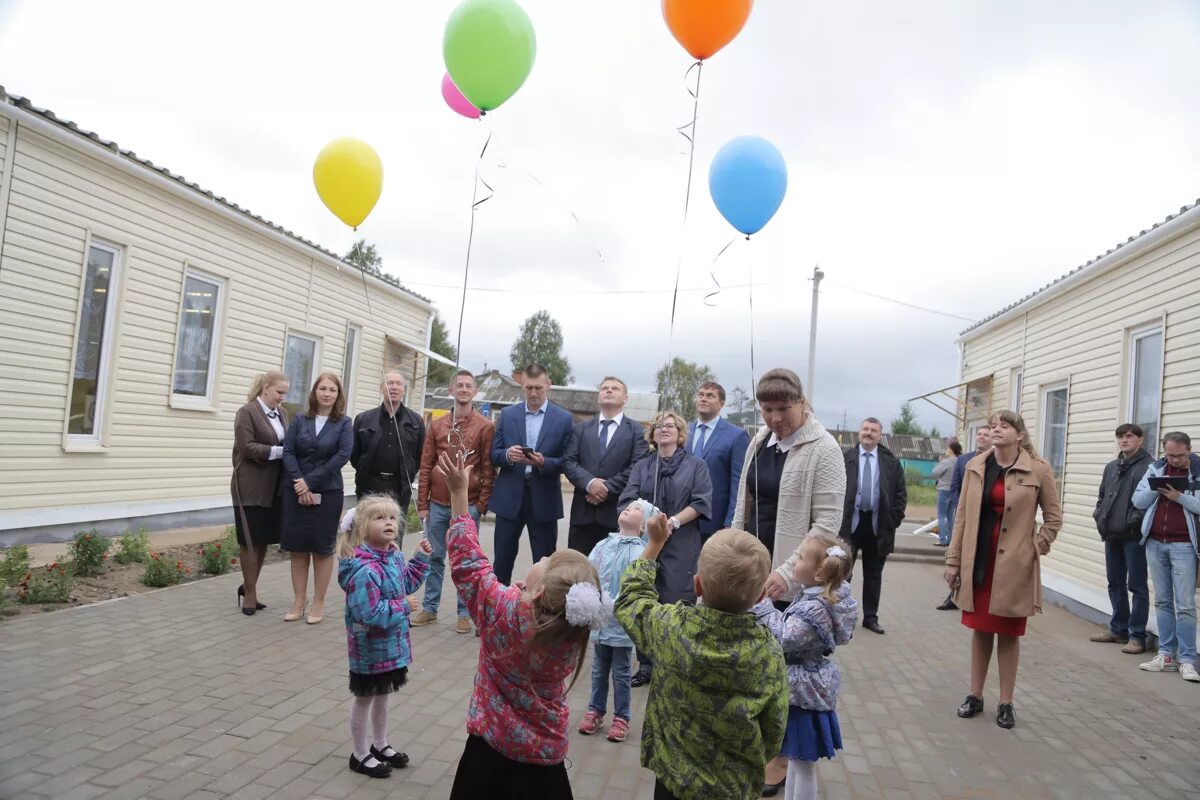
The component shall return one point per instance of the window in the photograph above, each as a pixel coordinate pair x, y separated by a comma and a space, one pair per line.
349, 362
1054, 429
300, 366
93, 344
1145, 382
196, 347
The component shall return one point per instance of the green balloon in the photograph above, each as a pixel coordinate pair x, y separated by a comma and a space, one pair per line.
489, 49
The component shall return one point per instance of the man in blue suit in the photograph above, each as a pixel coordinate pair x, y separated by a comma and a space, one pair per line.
723, 447
528, 449
601, 454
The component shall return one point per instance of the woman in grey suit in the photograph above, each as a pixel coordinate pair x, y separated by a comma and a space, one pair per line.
258, 432
317, 446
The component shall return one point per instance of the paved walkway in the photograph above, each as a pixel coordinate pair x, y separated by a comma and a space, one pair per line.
173, 694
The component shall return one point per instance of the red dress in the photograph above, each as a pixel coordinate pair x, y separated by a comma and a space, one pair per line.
981, 619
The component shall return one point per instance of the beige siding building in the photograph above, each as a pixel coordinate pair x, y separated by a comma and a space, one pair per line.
135, 309
1116, 340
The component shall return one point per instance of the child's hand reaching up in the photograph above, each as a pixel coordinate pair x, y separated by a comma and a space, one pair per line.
457, 479
659, 532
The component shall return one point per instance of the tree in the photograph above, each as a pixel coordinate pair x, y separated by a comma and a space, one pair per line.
365, 257
740, 401
677, 384
906, 424
439, 342
541, 341
934, 433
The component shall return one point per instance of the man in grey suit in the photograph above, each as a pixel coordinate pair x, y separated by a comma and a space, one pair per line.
597, 463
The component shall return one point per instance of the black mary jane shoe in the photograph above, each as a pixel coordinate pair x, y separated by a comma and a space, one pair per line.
971, 706
249, 612
397, 759
380, 770
640, 678
1005, 717
772, 789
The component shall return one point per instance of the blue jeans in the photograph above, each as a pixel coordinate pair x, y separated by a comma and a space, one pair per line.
1173, 569
945, 512
618, 659
1126, 563
435, 528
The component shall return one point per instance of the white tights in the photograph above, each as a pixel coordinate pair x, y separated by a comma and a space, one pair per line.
801, 780
377, 709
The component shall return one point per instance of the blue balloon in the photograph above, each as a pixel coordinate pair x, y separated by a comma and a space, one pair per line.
747, 181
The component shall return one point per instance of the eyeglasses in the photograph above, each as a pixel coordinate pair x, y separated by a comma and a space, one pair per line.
666, 426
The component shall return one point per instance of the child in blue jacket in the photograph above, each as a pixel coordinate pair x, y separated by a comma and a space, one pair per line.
377, 581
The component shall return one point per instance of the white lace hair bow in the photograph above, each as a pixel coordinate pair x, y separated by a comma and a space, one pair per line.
835, 551
347, 521
588, 606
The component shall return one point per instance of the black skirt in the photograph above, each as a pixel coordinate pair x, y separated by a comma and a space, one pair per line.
380, 683
484, 773
311, 529
265, 523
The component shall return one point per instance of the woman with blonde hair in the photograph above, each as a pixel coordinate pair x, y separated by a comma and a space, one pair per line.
998, 546
677, 482
318, 445
259, 428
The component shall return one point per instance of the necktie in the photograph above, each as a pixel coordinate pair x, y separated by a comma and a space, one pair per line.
604, 423
701, 440
866, 487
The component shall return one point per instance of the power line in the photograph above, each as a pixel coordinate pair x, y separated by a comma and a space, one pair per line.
902, 303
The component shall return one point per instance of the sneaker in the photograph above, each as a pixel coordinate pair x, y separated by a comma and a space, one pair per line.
1161, 663
620, 728
463, 625
591, 723
1134, 648
422, 617
1188, 672
1109, 637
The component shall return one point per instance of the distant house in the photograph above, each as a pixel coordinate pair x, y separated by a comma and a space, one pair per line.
135, 309
920, 453
1115, 340
497, 391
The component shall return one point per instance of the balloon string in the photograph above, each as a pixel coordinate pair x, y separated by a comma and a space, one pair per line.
687, 199
753, 387
712, 272
476, 202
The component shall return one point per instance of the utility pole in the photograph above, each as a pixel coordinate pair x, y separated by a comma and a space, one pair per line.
812, 334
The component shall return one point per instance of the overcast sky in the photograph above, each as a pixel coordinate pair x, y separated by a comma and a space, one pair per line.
946, 154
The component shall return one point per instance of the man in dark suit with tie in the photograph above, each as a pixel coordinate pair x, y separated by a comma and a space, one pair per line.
723, 447
876, 499
531, 440
599, 457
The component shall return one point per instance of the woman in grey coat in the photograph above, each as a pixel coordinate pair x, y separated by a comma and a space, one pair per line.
677, 482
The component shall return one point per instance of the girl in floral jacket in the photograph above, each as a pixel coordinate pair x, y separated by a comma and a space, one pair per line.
821, 617
533, 637
377, 581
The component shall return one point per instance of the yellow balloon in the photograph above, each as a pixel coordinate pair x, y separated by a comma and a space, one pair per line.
349, 178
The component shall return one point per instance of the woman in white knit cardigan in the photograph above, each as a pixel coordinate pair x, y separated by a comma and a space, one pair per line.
793, 483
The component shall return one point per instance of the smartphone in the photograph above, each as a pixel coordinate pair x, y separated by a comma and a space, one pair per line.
527, 451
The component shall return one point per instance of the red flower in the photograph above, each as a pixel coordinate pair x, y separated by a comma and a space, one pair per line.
233, 561
54, 565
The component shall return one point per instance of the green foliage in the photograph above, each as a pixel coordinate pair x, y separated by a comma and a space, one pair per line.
214, 559
50, 585
163, 572
14, 565
412, 522
365, 257
88, 552
906, 424
229, 539
6, 603
133, 547
541, 341
921, 495
677, 390
439, 342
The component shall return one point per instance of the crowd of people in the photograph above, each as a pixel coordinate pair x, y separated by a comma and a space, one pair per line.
692, 548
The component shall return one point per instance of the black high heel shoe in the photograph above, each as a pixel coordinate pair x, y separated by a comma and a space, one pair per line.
249, 612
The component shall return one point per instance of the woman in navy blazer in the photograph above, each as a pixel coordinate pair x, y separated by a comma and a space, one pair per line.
317, 446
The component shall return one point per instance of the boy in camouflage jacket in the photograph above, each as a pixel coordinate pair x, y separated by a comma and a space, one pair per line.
719, 693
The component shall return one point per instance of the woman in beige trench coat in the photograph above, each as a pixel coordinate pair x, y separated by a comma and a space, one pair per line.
993, 563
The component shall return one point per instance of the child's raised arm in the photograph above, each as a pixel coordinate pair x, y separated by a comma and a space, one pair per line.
416, 568
457, 479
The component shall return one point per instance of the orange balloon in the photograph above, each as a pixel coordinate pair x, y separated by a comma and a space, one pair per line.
705, 26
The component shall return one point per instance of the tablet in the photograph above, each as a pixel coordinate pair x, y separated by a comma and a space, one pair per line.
1179, 482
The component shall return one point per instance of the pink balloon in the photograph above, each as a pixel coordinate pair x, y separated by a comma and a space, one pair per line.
454, 98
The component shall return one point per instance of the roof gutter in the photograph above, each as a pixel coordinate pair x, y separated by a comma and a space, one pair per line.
1123, 253
114, 159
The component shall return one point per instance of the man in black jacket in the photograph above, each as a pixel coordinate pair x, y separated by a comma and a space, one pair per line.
876, 498
1120, 526
387, 445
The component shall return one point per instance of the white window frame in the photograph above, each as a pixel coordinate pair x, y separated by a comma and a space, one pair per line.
1135, 335
1044, 426
1016, 387
316, 363
209, 401
350, 362
98, 438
